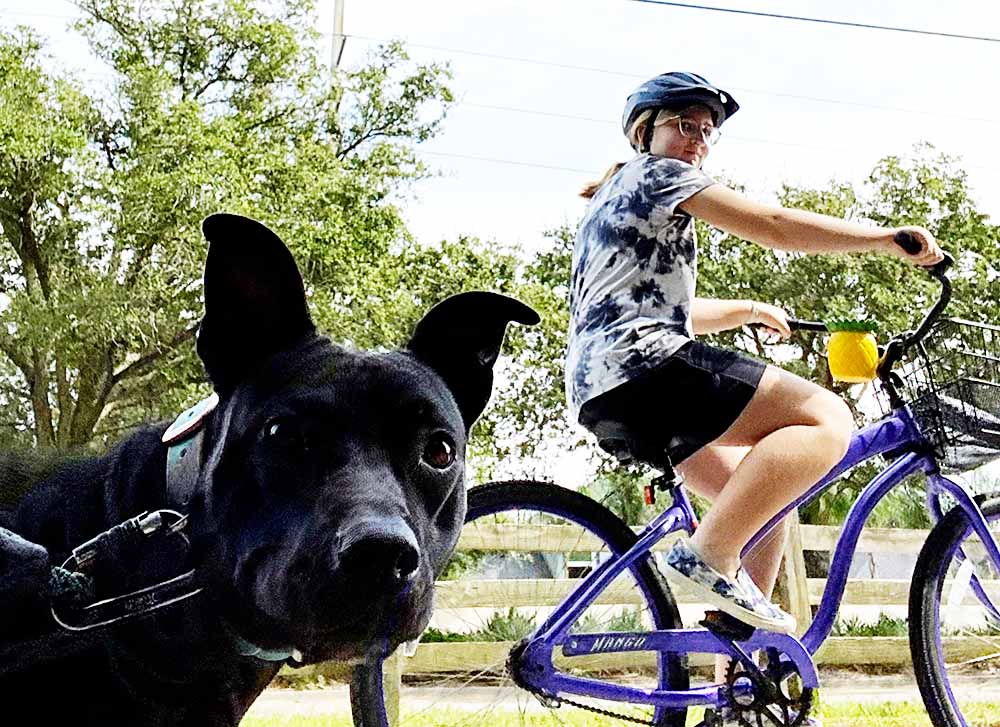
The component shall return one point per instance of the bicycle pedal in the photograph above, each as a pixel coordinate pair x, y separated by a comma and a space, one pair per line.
726, 626
711, 718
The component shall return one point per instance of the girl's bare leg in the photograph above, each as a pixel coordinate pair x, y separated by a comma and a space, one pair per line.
790, 434
796, 431
707, 472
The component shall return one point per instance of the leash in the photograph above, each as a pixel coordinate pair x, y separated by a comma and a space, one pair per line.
123, 542
70, 592
83, 622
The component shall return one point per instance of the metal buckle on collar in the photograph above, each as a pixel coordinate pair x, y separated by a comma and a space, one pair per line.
137, 603
184, 441
189, 422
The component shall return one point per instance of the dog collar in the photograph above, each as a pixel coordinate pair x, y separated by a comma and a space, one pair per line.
245, 648
184, 439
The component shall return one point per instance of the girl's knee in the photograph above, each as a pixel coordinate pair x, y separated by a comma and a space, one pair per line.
838, 426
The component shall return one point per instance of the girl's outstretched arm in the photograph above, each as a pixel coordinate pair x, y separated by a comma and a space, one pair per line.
801, 231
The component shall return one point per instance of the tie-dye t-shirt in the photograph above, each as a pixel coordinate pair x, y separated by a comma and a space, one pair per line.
634, 269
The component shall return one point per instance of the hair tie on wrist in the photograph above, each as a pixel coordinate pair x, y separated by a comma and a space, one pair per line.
754, 312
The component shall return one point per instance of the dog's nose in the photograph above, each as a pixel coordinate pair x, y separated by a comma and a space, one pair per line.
380, 551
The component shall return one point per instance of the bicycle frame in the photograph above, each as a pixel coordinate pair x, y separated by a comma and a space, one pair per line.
897, 433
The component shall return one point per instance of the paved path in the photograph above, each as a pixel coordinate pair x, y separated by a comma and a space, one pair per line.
837, 688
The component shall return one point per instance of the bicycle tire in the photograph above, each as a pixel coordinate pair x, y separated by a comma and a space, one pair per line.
949, 701
526, 496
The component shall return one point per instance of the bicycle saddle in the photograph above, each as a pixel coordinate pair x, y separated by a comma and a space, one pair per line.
617, 439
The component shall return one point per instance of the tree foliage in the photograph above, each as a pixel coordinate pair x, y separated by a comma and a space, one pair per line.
215, 105
925, 188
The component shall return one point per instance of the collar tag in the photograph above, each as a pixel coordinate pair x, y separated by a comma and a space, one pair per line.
190, 420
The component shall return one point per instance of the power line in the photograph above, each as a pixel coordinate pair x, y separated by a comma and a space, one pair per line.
592, 69
534, 112
499, 56
592, 172
824, 21
615, 122
511, 162
607, 71
667, 3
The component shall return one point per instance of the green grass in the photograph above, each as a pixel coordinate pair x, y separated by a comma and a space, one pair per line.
897, 714
885, 626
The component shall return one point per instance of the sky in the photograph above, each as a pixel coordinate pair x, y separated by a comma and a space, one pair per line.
818, 102
540, 85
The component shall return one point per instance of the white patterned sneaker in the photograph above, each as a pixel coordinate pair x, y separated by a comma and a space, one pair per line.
738, 597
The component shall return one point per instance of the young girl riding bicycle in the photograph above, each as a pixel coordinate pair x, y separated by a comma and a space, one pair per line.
749, 436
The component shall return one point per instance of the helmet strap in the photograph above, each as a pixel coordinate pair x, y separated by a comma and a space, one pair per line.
647, 132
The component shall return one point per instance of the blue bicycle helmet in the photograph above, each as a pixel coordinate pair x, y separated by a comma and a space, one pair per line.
673, 90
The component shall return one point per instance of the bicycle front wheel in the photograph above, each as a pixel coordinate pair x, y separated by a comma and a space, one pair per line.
524, 547
955, 623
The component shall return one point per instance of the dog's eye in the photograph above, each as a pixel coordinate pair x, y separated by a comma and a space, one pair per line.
439, 452
283, 432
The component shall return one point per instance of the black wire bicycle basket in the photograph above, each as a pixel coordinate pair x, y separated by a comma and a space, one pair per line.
951, 382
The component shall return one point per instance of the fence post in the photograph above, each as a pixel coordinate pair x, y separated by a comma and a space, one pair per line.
392, 679
793, 571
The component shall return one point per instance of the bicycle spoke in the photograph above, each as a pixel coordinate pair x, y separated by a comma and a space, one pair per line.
957, 654
516, 563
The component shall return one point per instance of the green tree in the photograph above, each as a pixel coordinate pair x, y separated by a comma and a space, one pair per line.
215, 105
529, 402
925, 188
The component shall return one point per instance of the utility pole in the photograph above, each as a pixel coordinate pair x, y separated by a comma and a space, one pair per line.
338, 33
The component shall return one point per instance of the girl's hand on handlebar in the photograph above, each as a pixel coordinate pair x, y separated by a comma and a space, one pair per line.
929, 252
771, 317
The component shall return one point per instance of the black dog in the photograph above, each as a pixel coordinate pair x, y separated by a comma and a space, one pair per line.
327, 494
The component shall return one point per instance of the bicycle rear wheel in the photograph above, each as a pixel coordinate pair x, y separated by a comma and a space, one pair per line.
531, 544
955, 632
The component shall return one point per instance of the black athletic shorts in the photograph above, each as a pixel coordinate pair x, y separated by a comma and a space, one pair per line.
683, 404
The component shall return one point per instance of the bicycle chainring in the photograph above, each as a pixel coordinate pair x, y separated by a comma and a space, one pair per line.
781, 702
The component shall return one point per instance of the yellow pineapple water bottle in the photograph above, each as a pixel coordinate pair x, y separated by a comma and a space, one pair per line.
852, 351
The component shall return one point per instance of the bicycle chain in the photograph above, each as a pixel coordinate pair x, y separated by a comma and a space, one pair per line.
550, 701
604, 712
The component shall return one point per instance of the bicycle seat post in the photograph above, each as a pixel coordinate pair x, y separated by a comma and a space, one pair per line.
668, 481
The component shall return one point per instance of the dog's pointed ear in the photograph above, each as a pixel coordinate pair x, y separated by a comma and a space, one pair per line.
255, 303
460, 339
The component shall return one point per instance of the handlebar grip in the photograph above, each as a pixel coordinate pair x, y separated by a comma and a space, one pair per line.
799, 325
911, 246
942, 267
907, 241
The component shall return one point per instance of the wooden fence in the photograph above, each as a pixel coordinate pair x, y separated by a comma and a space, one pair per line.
801, 593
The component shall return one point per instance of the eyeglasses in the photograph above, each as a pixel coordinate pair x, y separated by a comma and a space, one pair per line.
690, 129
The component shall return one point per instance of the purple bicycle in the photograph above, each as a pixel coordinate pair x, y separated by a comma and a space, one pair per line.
941, 387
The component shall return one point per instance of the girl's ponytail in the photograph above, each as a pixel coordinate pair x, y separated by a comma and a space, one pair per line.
590, 189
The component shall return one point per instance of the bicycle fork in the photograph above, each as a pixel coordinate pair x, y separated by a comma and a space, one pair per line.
938, 485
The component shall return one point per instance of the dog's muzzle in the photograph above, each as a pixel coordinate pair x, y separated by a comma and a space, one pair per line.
380, 552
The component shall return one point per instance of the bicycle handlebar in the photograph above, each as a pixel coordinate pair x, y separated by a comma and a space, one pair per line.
912, 246
906, 241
